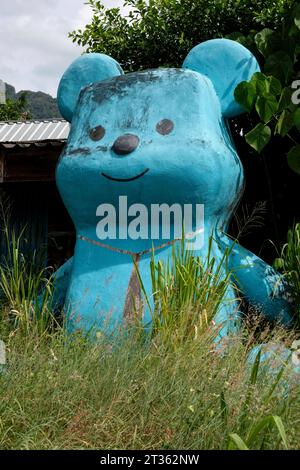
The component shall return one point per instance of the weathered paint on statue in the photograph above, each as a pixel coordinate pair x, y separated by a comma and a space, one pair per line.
158, 136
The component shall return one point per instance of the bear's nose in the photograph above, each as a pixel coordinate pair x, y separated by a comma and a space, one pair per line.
126, 144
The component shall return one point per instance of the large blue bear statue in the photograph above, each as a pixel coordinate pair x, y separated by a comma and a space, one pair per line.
151, 138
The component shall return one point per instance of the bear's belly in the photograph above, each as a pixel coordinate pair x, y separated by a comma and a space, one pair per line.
97, 299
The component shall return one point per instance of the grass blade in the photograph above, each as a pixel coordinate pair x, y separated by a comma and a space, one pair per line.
235, 441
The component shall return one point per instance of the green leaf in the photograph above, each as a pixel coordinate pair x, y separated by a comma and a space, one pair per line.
297, 118
266, 422
280, 426
266, 85
267, 41
279, 65
261, 83
278, 264
237, 441
293, 158
285, 99
285, 123
266, 107
255, 429
259, 137
263, 40
235, 36
297, 20
224, 410
245, 95
255, 368
274, 86
246, 41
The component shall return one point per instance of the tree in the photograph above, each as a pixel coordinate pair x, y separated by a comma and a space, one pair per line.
269, 135
14, 110
162, 32
273, 97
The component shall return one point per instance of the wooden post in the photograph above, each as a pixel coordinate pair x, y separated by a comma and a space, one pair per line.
2, 164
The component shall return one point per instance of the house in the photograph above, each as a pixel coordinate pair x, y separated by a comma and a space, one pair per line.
29, 152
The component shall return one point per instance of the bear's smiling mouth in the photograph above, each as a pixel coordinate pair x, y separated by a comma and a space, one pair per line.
125, 180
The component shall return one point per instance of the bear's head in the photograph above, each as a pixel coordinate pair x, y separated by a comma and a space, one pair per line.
157, 136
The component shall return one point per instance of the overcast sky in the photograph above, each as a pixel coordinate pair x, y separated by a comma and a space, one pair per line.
34, 46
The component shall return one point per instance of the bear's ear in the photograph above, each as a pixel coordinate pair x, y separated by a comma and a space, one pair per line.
226, 63
87, 69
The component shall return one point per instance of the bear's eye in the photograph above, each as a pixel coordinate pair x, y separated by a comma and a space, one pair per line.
165, 127
97, 133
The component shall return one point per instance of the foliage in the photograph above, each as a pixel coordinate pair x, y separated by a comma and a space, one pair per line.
25, 286
70, 393
14, 110
162, 32
237, 442
288, 262
272, 97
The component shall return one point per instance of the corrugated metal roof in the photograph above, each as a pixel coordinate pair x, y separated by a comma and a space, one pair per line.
28, 132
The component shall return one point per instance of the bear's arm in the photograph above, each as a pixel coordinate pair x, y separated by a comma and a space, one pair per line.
259, 283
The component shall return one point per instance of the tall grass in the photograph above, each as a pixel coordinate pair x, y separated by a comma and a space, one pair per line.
288, 262
25, 287
69, 393
186, 293
173, 391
